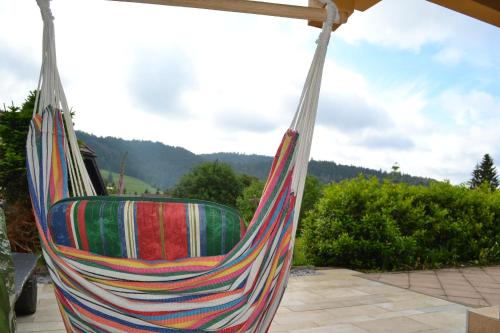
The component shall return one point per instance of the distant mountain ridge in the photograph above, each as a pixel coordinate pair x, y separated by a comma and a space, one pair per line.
162, 166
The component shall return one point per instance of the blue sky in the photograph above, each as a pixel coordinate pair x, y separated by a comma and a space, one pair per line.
406, 81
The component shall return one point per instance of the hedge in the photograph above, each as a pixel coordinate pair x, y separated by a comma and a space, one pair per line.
367, 224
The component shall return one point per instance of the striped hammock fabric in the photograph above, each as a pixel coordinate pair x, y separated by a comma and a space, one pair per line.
113, 288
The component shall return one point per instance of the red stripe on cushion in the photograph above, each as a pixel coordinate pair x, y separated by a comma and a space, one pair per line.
176, 242
148, 232
68, 225
84, 242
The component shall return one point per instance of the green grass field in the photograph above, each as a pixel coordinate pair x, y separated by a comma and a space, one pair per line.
132, 185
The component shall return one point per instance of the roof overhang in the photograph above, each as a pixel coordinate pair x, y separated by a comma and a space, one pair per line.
484, 10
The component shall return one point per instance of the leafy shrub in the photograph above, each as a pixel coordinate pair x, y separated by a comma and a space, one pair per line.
212, 181
368, 224
249, 200
313, 190
299, 255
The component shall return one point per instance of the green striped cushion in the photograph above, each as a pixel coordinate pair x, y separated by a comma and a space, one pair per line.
145, 228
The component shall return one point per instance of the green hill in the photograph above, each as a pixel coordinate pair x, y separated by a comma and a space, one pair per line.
132, 185
161, 166
155, 163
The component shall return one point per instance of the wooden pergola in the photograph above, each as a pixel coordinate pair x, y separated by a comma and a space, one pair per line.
485, 10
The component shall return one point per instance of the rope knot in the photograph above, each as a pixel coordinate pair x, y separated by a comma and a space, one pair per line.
45, 10
332, 12
332, 16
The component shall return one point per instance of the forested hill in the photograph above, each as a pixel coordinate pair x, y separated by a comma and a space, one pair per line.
162, 166
325, 171
155, 163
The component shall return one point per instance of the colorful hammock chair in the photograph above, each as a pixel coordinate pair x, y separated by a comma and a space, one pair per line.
150, 265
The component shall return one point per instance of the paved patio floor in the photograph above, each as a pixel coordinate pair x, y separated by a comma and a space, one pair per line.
334, 300
471, 286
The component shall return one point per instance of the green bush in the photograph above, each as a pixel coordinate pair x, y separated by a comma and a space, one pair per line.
367, 224
212, 181
249, 200
299, 255
313, 189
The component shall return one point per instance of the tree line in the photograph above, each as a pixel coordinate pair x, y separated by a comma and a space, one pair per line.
166, 164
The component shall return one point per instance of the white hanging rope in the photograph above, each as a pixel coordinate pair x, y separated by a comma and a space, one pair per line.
305, 117
50, 92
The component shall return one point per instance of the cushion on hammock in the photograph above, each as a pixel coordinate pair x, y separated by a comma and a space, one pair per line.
145, 228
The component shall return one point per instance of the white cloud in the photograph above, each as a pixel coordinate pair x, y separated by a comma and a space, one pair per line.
159, 80
408, 24
449, 56
415, 136
384, 141
196, 76
472, 108
349, 112
413, 24
211, 81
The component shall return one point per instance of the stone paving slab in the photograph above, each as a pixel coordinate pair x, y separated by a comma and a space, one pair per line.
470, 286
334, 300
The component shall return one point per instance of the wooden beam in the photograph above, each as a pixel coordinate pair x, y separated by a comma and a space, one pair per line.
246, 6
315, 13
484, 10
